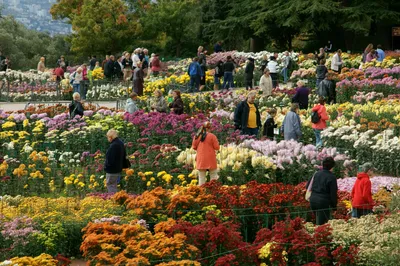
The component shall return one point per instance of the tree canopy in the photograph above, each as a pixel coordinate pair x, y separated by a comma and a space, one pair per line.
177, 27
25, 47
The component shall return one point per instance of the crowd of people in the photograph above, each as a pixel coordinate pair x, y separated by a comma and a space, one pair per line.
321, 187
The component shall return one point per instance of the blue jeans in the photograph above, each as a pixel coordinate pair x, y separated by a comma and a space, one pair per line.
285, 74
250, 131
318, 140
77, 87
216, 80
228, 80
357, 213
195, 82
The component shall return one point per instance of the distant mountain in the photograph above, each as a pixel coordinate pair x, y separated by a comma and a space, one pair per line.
35, 15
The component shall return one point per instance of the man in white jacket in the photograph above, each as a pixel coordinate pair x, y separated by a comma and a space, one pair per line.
336, 64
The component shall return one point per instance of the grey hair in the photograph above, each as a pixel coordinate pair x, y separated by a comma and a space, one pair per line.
366, 167
266, 70
76, 96
112, 133
252, 93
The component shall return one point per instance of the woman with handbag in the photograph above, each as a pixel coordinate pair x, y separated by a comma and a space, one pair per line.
206, 144
323, 188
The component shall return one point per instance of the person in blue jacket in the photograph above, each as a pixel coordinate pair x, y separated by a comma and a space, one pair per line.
195, 73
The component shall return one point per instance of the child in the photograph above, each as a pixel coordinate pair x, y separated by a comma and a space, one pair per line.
269, 124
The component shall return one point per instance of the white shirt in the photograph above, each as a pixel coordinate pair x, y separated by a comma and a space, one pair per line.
335, 62
273, 67
135, 60
266, 85
77, 77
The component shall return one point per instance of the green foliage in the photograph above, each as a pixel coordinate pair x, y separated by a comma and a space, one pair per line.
174, 23
25, 47
100, 27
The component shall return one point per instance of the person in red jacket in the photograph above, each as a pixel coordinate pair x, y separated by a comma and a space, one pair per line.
321, 124
361, 194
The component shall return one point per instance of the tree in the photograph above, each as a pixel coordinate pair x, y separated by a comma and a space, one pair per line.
100, 26
178, 20
25, 47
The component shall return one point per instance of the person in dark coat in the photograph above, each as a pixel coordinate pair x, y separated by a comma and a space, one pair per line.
327, 89
138, 79
229, 68
114, 163
118, 68
301, 96
76, 108
109, 68
177, 105
269, 124
324, 190
218, 47
203, 65
92, 63
247, 116
321, 71
249, 73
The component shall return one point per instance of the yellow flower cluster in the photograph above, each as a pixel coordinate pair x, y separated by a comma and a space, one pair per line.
74, 180
42, 260
388, 62
53, 210
98, 73
265, 252
161, 84
8, 125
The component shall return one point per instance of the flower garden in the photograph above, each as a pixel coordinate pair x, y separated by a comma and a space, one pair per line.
55, 208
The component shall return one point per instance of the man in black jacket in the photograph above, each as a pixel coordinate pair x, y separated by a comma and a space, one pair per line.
324, 190
247, 116
327, 89
109, 68
114, 163
229, 68
249, 73
118, 68
76, 108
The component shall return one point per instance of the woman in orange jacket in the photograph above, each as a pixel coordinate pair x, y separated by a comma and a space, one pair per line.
206, 144
319, 117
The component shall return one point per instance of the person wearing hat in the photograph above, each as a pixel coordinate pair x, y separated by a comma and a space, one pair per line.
206, 145
361, 193
249, 73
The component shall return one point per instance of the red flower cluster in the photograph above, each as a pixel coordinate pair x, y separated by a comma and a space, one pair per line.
294, 245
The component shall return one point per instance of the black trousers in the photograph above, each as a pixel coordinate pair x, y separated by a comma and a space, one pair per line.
322, 212
274, 77
249, 83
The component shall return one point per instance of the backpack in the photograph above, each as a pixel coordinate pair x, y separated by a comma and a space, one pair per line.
315, 118
72, 78
193, 69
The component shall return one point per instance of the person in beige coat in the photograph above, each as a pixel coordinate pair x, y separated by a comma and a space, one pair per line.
266, 83
41, 67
